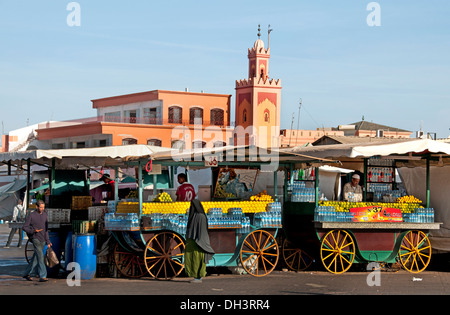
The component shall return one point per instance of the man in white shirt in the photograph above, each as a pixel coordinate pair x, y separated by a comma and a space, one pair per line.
18, 216
353, 191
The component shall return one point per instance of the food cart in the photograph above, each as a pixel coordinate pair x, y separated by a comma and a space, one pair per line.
387, 232
151, 235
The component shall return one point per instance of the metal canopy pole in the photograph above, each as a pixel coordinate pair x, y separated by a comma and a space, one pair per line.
140, 188
365, 179
428, 181
116, 187
53, 175
316, 180
275, 184
28, 182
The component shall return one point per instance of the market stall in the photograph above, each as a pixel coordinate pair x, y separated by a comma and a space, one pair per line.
73, 218
243, 226
388, 226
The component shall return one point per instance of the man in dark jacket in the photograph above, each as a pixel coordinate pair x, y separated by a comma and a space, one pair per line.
36, 227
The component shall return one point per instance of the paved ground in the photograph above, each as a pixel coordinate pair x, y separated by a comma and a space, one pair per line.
436, 281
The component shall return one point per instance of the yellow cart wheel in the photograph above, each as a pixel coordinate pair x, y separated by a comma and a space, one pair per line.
259, 253
337, 251
415, 251
163, 255
295, 258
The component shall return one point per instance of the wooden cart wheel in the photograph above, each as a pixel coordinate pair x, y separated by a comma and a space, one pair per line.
415, 251
337, 251
29, 250
295, 258
130, 265
259, 253
164, 255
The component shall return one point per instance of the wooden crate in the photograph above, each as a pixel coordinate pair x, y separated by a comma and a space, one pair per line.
81, 202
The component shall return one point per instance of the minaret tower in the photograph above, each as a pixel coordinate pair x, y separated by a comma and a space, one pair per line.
258, 101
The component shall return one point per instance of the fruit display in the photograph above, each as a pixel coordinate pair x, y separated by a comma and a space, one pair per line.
408, 199
181, 207
344, 206
262, 196
162, 197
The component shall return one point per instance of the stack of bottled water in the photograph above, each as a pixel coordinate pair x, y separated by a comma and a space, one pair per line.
235, 218
329, 214
235, 212
227, 221
245, 225
382, 190
173, 222
122, 222
215, 211
156, 220
303, 194
270, 218
420, 215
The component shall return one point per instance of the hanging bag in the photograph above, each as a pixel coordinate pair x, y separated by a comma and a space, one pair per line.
50, 258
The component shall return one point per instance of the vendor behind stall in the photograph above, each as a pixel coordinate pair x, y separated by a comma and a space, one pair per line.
185, 191
352, 190
110, 186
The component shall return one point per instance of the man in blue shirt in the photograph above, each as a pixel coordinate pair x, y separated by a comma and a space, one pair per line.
36, 227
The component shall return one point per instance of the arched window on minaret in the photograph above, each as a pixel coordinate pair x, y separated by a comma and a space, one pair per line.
244, 116
267, 116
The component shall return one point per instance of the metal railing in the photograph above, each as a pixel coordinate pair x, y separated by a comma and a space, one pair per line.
134, 120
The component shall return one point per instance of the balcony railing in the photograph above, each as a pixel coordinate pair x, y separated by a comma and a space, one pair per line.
158, 121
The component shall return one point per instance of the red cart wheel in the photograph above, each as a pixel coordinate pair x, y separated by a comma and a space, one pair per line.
337, 251
415, 251
259, 253
128, 264
295, 258
164, 255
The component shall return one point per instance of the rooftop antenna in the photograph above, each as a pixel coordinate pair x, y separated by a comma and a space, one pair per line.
269, 30
292, 126
298, 120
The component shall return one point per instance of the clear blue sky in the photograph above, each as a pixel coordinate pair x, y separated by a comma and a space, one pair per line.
397, 74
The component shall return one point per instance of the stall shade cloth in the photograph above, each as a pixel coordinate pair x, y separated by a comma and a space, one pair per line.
197, 228
87, 156
361, 150
414, 180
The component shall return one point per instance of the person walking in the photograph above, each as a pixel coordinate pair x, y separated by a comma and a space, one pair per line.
36, 227
19, 214
198, 248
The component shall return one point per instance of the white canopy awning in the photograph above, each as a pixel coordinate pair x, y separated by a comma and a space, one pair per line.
67, 158
410, 152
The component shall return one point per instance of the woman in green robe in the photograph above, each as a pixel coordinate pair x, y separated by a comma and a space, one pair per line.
198, 248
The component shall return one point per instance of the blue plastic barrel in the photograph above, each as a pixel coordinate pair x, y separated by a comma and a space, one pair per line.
56, 246
68, 249
85, 254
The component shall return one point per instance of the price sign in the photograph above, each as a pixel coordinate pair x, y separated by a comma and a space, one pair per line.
211, 161
376, 214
